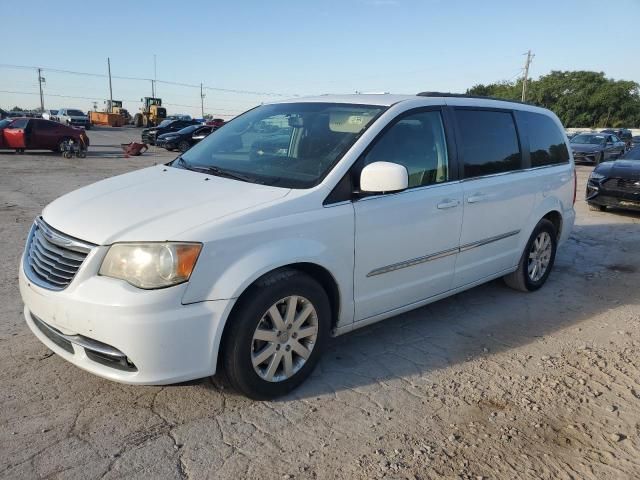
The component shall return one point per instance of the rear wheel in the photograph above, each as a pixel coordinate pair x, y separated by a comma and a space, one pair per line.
537, 259
183, 146
276, 335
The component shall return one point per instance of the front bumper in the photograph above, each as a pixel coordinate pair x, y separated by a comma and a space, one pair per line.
586, 157
609, 193
160, 142
160, 341
149, 139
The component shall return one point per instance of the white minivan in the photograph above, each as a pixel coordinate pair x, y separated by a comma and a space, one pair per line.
295, 221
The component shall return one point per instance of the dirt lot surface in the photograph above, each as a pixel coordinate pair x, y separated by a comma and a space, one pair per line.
490, 383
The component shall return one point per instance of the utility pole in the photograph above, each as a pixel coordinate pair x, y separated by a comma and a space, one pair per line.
526, 75
40, 80
201, 101
110, 88
155, 75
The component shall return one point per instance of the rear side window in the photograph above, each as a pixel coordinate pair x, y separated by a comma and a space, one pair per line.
546, 142
489, 142
22, 123
43, 126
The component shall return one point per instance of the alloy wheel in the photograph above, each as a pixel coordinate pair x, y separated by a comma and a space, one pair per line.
284, 338
539, 256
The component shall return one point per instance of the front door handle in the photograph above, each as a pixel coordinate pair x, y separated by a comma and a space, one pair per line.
448, 203
478, 197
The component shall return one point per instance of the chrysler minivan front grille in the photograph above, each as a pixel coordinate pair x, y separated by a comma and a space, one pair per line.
52, 258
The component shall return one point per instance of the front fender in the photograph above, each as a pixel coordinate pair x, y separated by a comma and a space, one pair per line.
226, 267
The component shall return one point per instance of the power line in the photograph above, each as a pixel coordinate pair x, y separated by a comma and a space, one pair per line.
167, 82
231, 113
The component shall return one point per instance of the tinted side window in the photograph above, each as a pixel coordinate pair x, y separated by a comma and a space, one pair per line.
418, 142
22, 123
546, 142
43, 126
489, 142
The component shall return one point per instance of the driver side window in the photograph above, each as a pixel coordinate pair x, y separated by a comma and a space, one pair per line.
417, 142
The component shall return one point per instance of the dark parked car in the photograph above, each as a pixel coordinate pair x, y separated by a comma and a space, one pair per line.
21, 134
623, 134
184, 139
616, 184
596, 147
149, 135
635, 141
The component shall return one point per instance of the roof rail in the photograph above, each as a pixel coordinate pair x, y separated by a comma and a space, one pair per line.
464, 95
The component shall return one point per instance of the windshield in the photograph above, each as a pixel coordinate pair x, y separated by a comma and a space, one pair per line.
588, 139
291, 145
4, 123
75, 113
189, 129
165, 123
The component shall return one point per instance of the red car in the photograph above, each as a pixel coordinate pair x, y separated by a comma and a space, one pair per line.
21, 134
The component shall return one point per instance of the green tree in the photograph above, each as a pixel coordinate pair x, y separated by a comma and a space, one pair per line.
579, 98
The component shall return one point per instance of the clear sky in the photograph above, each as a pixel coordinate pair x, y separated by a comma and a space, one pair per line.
298, 47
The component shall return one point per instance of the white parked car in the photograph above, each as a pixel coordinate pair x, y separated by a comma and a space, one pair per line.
248, 251
50, 115
73, 118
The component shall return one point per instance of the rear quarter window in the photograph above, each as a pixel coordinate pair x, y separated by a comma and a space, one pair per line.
546, 142
489, 142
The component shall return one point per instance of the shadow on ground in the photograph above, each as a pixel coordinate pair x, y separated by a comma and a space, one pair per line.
483, 320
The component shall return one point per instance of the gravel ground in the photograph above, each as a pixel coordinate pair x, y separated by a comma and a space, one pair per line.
490, 383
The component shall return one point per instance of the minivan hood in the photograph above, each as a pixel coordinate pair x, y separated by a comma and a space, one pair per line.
152, 204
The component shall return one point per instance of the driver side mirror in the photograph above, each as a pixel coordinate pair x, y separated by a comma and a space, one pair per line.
384, 177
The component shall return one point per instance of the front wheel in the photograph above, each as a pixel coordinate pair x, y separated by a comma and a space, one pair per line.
537, 259
183, 146
276, 335
599, 159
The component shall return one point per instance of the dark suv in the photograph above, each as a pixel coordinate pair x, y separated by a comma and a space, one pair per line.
149, 135
623, 134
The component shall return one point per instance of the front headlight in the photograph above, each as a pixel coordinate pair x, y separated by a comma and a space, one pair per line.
151, 265
596, 176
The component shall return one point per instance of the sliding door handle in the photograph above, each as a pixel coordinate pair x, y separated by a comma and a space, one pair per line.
478, 197
448, 203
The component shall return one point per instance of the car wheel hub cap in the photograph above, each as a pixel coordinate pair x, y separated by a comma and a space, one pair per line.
539, 256
284, 338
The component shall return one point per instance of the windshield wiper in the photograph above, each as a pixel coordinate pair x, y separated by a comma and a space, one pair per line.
221, 172
213, 170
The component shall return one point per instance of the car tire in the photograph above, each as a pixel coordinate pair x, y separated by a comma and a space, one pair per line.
61, 143
597, 208
183, 146
137, 120
272, 365
599, 159
524, 279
